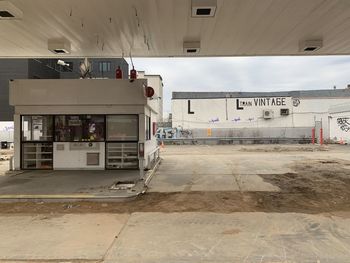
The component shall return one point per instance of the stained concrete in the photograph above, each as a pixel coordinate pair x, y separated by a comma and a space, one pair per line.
231, 167
58, 237
226, 238
63, 182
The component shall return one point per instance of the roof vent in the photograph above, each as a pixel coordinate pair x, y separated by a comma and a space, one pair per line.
192, 48
310, 45
9, 11
59, 46
203, 8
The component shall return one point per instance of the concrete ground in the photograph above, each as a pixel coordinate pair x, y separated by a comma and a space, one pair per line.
63, 183
175, 237
59, 237
231, 168
258, 203
226, 238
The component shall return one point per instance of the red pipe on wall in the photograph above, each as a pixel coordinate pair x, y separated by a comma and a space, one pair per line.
321, 136
313, 135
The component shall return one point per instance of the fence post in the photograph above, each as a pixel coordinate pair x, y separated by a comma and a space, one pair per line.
321, 136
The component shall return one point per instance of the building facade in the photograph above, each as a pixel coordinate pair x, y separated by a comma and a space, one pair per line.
83, 124
156, 82
256, 114
49, 69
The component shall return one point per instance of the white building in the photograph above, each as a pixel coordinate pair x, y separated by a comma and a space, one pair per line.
339, 123
256, 114
6, 131
82, 124
156, 82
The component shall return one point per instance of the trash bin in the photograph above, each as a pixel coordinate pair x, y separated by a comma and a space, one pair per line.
4, 145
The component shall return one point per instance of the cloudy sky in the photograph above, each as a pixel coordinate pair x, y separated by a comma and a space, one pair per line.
247, 73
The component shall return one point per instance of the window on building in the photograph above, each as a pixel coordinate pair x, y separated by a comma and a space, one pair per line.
122, 127
104, 66
77, 128
148, 128
37, 128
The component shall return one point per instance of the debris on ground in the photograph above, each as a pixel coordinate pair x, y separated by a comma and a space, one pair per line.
285, 149
122, 185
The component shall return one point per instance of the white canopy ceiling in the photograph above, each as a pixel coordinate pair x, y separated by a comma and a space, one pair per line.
109, 28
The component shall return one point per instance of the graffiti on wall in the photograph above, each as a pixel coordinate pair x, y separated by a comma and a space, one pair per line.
296, 102
344, 123
213, 120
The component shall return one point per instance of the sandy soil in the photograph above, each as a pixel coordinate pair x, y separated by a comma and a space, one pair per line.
316, 186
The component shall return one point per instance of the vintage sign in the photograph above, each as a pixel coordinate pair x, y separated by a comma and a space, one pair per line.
260, 102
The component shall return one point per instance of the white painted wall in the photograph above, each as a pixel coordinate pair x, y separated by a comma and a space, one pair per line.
150, 145
340, 127
156, 82
223, 113
340, 123
76, 158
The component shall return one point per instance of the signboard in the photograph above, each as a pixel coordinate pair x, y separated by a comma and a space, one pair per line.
241, 104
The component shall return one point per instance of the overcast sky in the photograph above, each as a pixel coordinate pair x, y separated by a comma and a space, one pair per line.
247, 73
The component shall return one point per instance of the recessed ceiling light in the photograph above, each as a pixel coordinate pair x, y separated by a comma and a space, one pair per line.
191, 48
9, 11
203, 8
310, 45
59, 46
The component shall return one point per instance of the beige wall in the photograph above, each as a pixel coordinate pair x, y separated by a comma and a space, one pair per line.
77, 92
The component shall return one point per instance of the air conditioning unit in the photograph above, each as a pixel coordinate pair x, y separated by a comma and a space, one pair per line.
284, 112
268, 114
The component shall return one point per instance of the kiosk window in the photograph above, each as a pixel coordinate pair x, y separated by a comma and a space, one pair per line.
75, 128
37, 128
104, 66
148, 128
122, 127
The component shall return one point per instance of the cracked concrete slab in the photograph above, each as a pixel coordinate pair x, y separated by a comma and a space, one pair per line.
238, 237
58, 237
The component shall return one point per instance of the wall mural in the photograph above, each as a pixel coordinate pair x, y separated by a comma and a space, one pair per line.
344, 123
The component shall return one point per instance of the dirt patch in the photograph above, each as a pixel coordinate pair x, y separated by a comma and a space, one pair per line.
285, 149
315, 186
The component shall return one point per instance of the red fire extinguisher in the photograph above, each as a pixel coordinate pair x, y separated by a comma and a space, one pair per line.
133, 74
118, 73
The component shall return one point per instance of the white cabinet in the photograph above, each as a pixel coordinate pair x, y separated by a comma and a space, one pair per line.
122, 155
37, 155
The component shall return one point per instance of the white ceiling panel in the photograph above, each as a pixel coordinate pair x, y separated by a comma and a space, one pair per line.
111, 28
